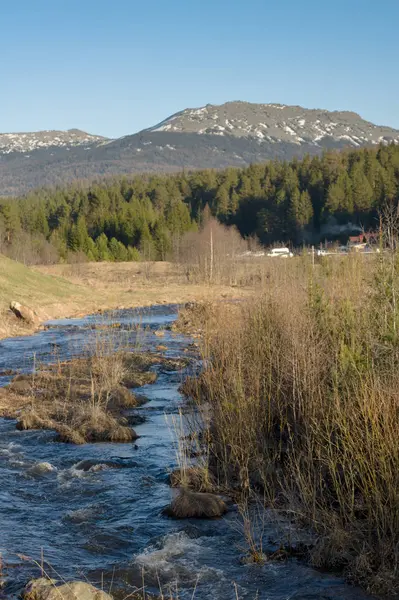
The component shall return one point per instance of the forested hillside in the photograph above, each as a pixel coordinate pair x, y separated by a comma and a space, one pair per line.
233, 134
146, 215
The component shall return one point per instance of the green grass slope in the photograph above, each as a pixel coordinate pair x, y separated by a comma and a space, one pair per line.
18, 282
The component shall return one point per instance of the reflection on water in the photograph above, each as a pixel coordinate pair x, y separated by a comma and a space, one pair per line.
95, 509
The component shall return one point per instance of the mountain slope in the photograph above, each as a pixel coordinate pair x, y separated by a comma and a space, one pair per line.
232, 134
277, 123
26, 142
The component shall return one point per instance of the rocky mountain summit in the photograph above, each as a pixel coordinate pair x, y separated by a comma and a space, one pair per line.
273, 123
27, 142
232, 134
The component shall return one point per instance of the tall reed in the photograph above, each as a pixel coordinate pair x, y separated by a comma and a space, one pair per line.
303, 385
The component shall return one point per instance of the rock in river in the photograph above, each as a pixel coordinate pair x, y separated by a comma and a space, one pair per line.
50, 589
199, 505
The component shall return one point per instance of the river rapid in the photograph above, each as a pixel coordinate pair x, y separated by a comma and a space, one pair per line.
101, 520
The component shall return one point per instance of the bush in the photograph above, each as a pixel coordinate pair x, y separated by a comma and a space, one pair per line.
304, 392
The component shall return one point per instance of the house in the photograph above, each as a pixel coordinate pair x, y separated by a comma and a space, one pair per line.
363, 238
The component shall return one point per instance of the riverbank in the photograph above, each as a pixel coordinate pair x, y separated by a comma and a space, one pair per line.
66, 291
299, 398
96, 510
301, 390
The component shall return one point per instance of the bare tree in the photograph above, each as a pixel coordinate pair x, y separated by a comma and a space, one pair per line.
211, 254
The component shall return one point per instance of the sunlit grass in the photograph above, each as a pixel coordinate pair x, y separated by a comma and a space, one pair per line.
303, 385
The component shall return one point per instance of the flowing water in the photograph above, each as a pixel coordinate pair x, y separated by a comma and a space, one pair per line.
101, 519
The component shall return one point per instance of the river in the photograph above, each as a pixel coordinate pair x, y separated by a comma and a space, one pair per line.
105, 524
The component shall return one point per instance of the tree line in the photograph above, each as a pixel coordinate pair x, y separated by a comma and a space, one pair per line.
146, 216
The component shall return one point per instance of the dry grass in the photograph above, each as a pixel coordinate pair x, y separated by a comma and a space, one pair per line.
303, 386
69, 290
82, 399
59, 291
143, 284
196, 478
49, 296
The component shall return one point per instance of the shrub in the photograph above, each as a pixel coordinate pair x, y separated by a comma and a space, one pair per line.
303, 386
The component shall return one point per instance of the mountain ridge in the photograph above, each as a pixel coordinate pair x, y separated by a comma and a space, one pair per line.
235, 133
276, 122
26, 141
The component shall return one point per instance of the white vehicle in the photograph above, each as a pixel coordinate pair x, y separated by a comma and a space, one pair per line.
280, 252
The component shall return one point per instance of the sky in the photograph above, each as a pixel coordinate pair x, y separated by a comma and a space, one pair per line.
114, 67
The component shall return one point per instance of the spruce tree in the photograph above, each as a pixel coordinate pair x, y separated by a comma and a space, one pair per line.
102, 248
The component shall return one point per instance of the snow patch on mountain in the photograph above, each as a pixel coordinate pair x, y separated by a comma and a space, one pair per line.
278, 123
29, 141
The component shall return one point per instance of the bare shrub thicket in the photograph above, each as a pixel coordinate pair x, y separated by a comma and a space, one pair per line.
212, 254
303, 386
29, 249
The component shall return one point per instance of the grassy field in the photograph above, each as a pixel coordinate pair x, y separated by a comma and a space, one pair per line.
143, 284
59, 291
18, 281
48, 296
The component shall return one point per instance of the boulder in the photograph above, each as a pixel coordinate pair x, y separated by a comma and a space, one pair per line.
89, 464
195, 505
41, 468
50, 589
24, 312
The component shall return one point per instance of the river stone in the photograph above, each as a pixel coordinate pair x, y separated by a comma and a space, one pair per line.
50, 589
99, 465
40, 468
195, 505
23, 312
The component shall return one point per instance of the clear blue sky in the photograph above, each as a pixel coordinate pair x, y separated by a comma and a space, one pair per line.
113, 67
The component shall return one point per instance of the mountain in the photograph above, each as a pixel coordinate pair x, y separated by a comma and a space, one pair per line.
276, 123
232, 134
27, 142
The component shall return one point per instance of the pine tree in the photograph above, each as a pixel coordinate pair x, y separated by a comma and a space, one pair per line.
362, 192
339, 197
92, 251
133, 254
276, 200
102, 247
162, 240
41, 224
302, 209
11, 220
78, 236
222, 202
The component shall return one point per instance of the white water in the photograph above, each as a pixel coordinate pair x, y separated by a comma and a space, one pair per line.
102, 520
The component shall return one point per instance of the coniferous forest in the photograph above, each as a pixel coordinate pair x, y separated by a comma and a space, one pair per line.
145, 216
